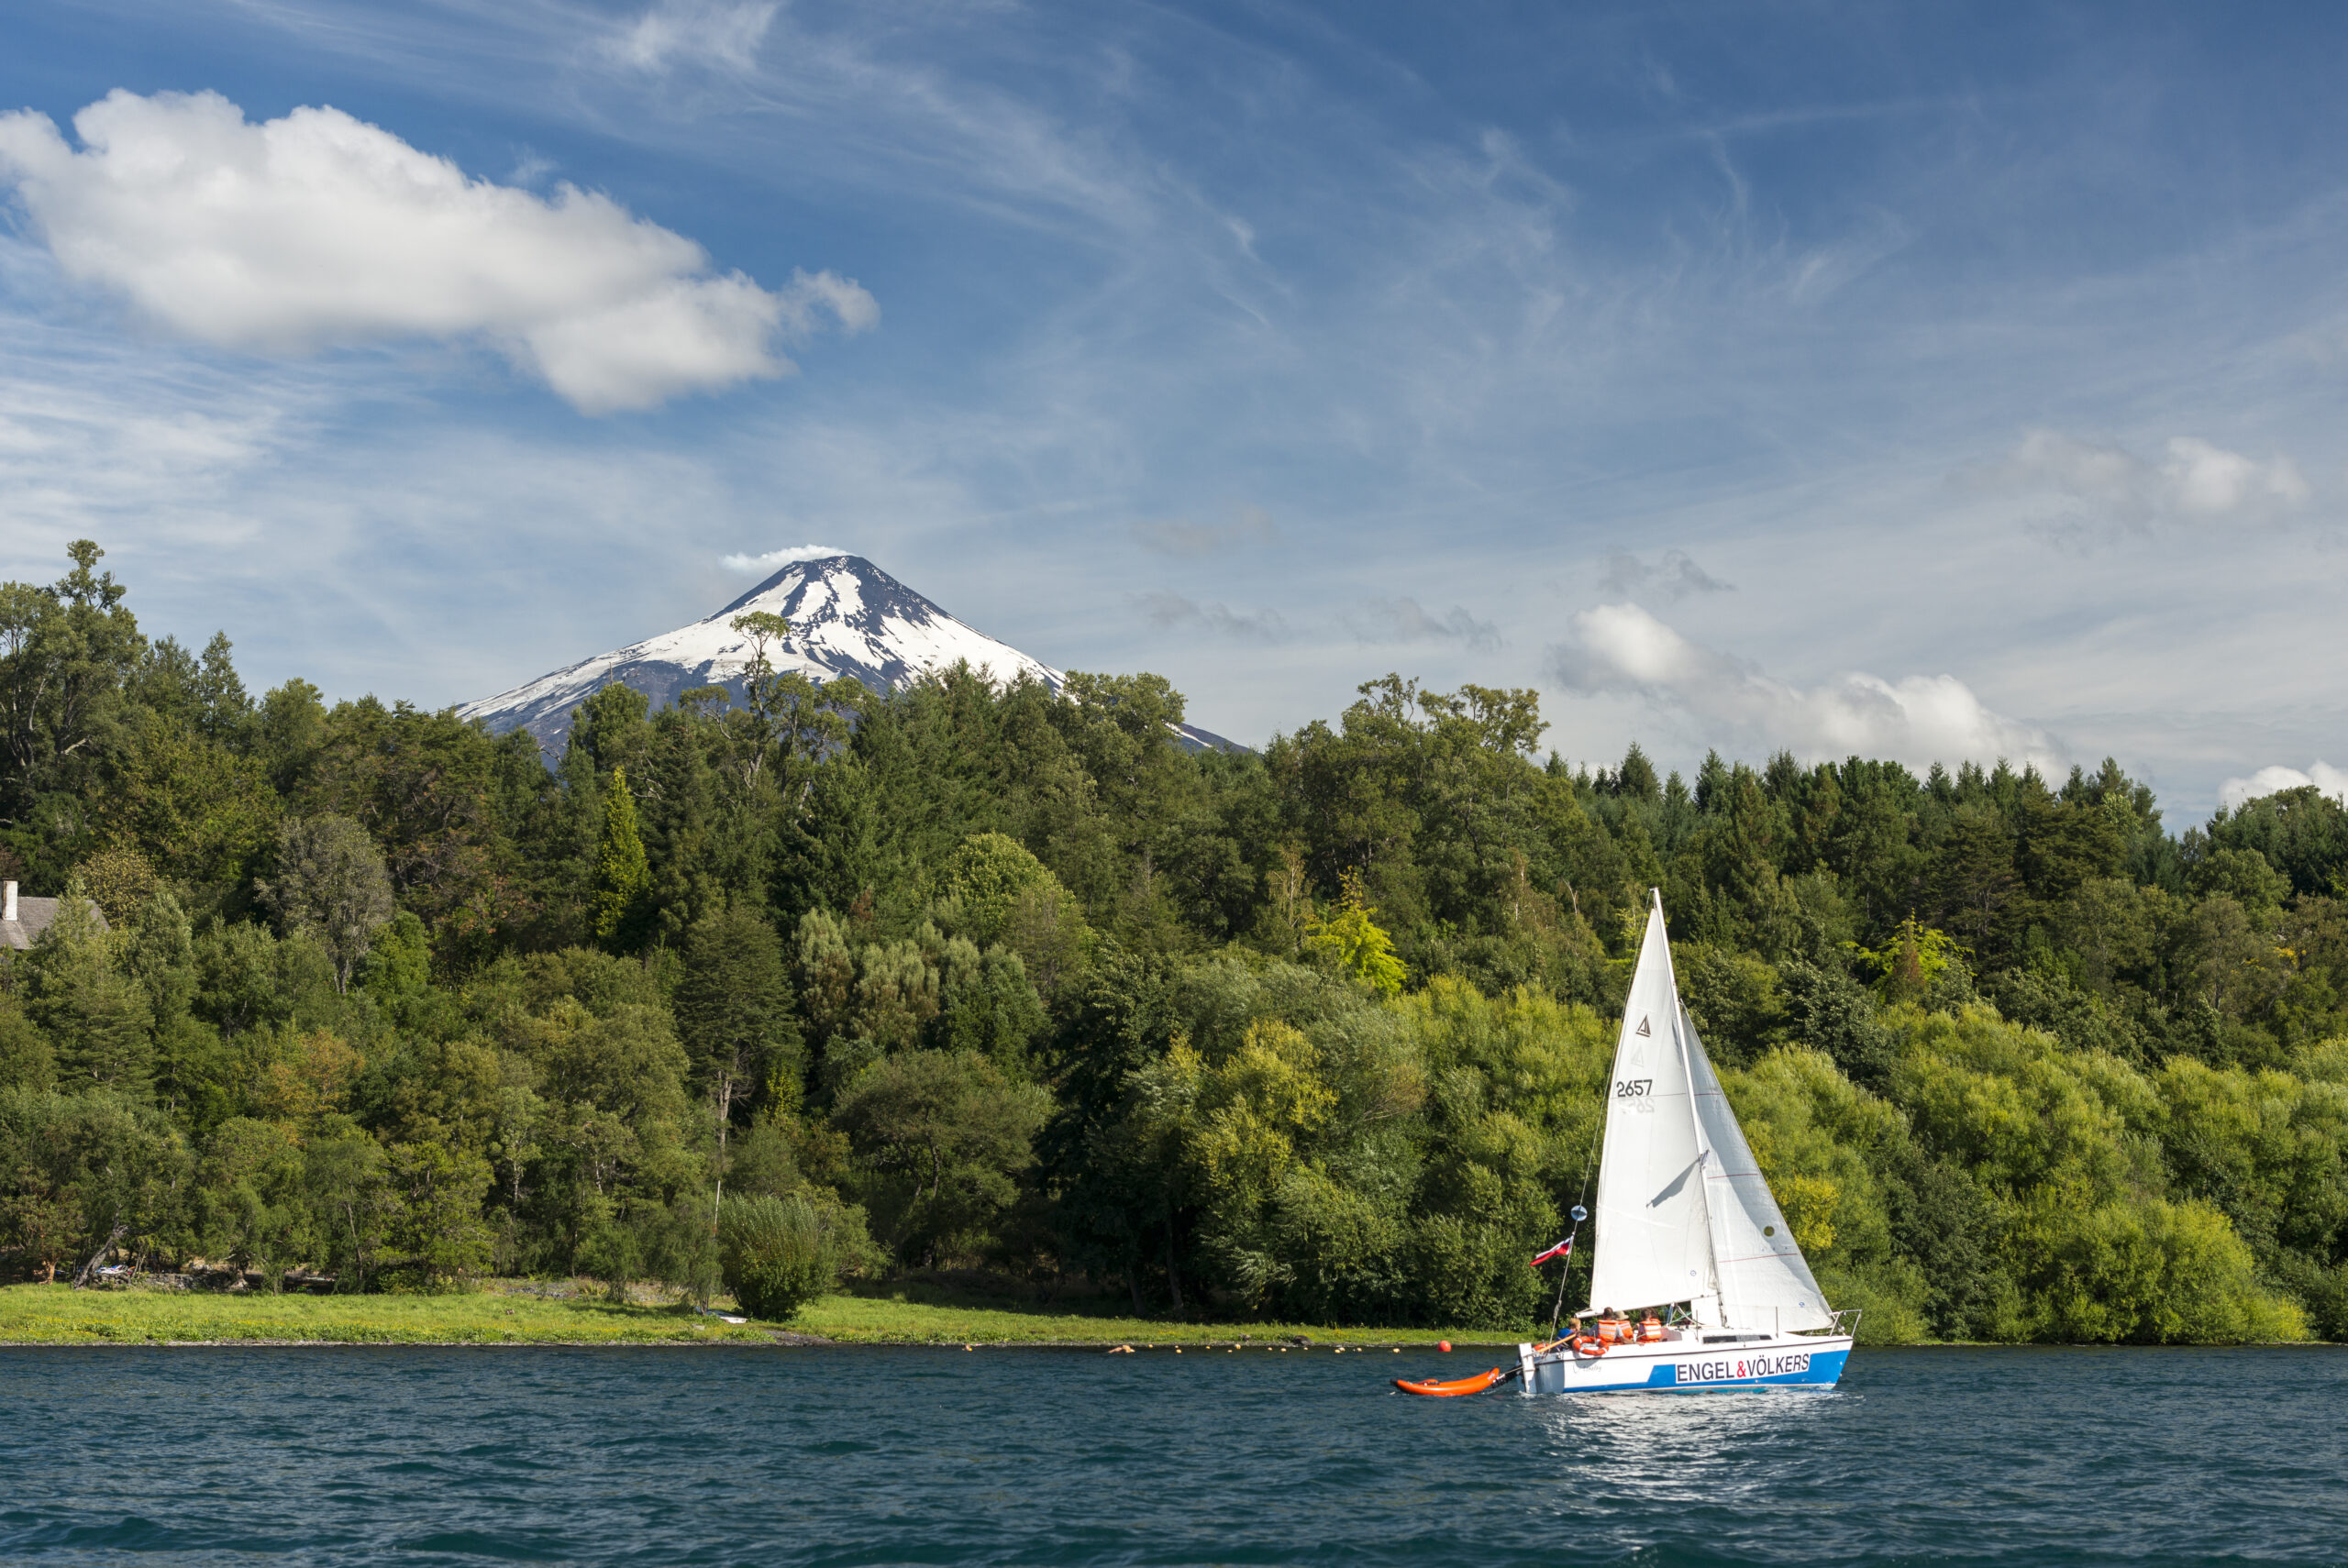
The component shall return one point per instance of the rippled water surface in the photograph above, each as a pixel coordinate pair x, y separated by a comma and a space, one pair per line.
866, 1456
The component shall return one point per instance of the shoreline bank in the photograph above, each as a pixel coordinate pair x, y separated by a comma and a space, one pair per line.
556, 1313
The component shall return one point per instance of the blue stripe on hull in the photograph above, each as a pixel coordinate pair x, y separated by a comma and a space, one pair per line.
1822, 1369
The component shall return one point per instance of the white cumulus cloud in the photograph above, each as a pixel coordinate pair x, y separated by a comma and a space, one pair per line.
2331, 781
319, 230
2102, 483
1920, 720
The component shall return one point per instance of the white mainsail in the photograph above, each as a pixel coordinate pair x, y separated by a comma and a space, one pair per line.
1654, 1242
1684, 1213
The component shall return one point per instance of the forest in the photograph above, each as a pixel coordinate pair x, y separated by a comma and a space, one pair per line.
797, 984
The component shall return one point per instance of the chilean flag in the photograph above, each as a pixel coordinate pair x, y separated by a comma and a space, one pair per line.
1563, 1248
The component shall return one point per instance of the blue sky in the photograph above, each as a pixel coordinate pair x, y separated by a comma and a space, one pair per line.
1923, 382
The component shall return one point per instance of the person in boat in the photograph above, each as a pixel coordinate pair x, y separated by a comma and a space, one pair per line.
1614, 1329
1650, 1328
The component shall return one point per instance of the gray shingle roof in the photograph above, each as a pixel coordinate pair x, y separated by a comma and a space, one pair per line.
33, 917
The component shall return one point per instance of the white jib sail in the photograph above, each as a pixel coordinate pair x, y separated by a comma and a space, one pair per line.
1764, 1281
1654, 1244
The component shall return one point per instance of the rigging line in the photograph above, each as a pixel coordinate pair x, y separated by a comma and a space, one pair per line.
1581, 1200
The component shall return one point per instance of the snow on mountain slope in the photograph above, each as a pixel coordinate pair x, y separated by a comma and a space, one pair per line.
848, 617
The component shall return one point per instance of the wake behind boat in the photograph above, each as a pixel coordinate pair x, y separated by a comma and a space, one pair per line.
1689, 1237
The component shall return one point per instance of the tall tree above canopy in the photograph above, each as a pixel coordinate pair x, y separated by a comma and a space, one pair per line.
65, 654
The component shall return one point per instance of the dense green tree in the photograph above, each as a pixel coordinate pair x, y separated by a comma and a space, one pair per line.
780, 1252
26, 1059
329, 884
734, 1014
985, 1005
946, 1135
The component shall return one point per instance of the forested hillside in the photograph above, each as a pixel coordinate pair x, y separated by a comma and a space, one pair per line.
1006, 981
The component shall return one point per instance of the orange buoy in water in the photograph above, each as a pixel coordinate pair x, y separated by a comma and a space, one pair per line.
1444, 1345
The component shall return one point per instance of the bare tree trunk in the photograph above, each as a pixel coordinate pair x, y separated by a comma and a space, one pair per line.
725, 1117
81, 1279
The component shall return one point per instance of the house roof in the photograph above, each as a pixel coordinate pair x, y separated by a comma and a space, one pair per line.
33, 917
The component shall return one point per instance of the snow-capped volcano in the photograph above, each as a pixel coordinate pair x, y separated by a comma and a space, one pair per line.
848, 617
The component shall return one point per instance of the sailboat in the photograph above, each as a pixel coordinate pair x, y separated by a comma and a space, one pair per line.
1688, 1235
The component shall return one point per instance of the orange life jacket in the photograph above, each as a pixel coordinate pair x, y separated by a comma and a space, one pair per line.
1614, 1330
1650, 1329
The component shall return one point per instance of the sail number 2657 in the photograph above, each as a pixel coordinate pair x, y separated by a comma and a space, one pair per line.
1634, 1088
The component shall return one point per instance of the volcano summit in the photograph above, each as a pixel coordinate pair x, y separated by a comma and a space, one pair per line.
848, 617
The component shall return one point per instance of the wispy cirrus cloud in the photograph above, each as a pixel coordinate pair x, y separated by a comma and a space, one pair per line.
1673, 576
722, 35
1405, 621
1179, 538
1169, 611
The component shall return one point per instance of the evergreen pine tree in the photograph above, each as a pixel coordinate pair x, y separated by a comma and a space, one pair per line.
97, 1017
622, 877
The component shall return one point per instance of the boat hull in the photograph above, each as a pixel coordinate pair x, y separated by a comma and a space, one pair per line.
1790, 1361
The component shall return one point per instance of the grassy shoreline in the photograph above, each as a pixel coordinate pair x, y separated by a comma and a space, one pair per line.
529, 1312
570, 1313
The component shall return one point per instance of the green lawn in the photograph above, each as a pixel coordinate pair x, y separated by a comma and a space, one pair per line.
514, 1312
929, 1316
57, 1314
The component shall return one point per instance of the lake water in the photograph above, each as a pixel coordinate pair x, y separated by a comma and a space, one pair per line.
717, 1456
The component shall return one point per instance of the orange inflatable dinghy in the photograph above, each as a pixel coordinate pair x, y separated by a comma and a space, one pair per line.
1453, 1388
